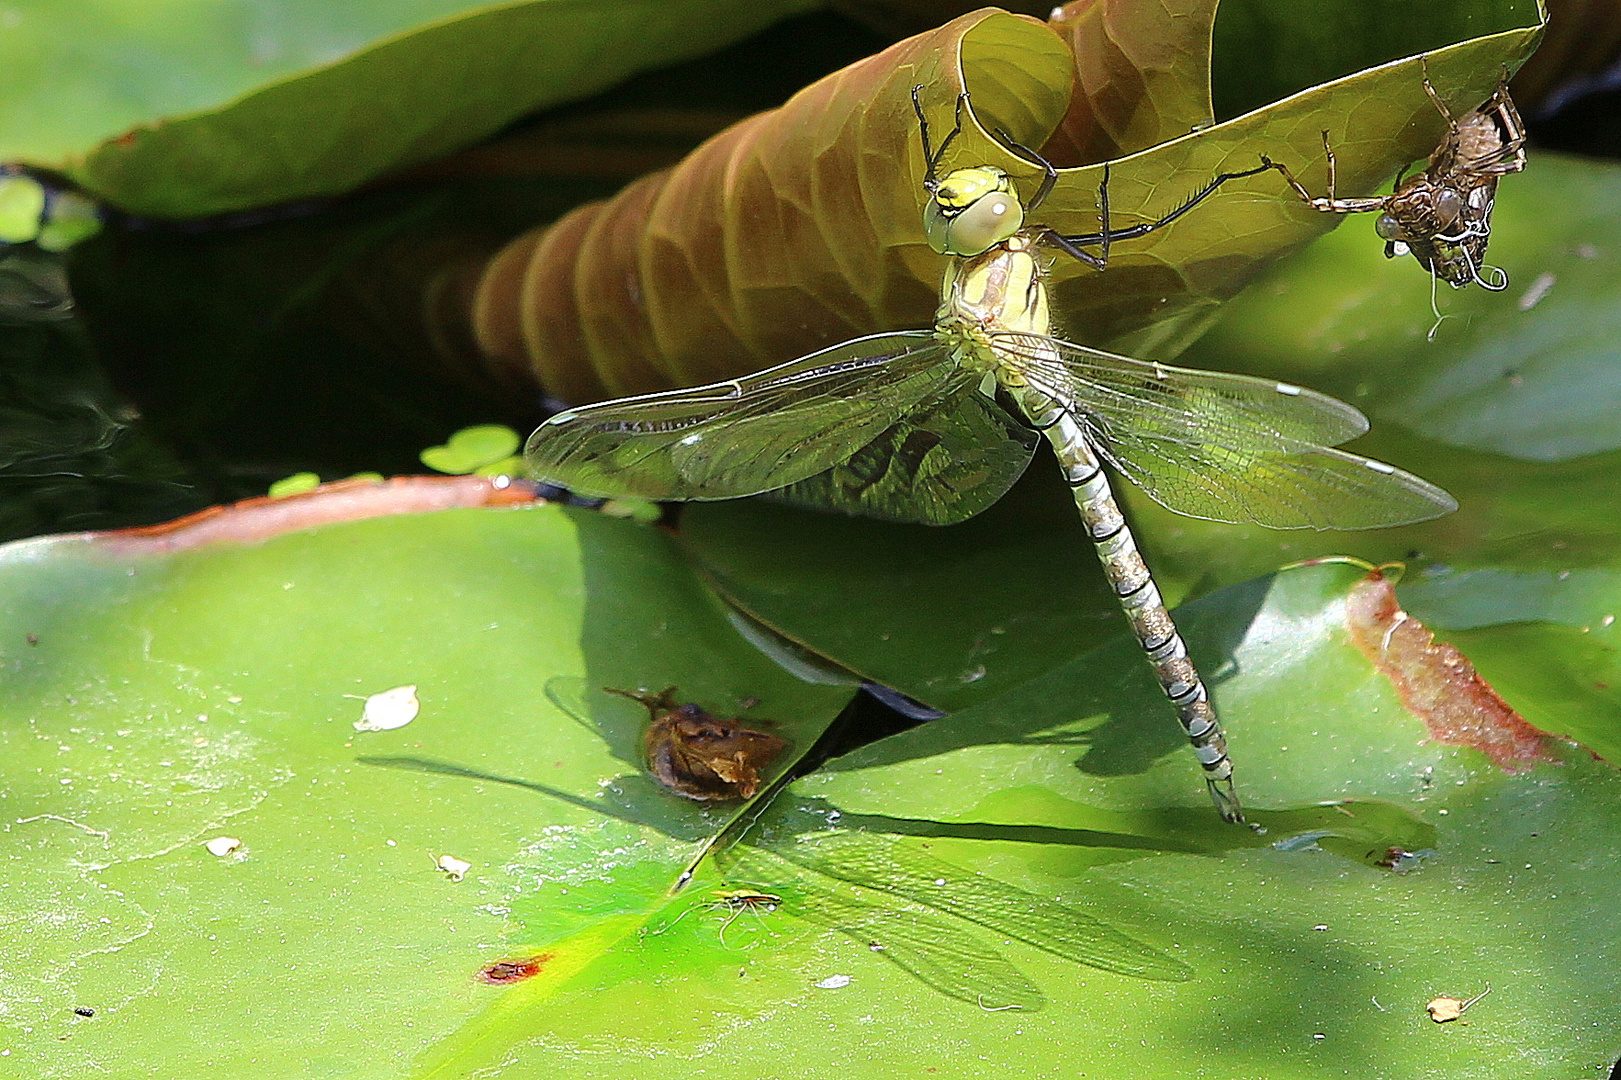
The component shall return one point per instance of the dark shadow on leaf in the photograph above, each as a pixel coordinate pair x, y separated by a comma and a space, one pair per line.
635, 798
1105, 700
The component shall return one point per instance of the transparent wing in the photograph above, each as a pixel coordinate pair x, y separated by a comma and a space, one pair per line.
1227, 447
884, 864
951, 457
943, 953
945, 957
1310, 488
744, 436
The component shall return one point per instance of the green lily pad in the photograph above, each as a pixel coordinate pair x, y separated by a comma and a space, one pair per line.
207, 107
161, 695
296, 484
1394, 869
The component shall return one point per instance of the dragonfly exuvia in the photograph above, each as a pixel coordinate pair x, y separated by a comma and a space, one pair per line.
1442, 216
934, 426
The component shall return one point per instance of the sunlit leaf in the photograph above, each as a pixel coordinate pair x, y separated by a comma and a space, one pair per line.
184, 110
1311, 943
473, 449
164, 690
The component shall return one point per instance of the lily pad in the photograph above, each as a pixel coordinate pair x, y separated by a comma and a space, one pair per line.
208, 107
474, 449
166, 690
1394, 868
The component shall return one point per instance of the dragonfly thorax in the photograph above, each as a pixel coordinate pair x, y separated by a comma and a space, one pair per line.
971, 211
997, 291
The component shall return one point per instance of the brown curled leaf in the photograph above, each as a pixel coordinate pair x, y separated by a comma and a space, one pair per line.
1142, 76
698, 755
799, 228
1437, 682
794, 229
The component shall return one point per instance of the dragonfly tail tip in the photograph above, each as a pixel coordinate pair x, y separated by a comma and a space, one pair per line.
1226, 800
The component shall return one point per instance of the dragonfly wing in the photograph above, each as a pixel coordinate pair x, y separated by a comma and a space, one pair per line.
744, 436
1228, 447
944, 957
1308, 488
1182, 403
951, 457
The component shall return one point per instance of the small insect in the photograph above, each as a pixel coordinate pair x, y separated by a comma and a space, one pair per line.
701, 756
737, 901
1401, 860
1443, 215
1444, 1009
84, 1010
733, 901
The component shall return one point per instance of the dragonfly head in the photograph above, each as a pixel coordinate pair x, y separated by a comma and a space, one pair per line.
971, 211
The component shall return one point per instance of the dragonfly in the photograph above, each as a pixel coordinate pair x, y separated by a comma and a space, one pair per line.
934, 426
1442, 216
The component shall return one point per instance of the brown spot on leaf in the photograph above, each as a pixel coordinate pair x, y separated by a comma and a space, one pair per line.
698, 755
510, 971
1437, 682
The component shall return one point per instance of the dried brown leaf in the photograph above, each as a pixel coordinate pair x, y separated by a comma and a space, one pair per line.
1143, 76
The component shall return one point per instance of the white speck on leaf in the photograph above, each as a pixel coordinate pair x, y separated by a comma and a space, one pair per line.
389, 710
834, 982
221, 846
455, 869
1539, 288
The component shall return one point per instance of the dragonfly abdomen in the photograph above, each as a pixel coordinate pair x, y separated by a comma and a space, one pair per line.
1134, 587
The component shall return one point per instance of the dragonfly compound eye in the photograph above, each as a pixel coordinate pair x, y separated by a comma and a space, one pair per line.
972, 211
1389, 228
1448, 205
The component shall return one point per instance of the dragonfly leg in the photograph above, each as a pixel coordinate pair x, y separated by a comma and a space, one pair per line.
1111, 235
1049, 174
1134, 586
